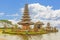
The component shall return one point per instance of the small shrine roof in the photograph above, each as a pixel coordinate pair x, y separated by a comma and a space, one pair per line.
40, 23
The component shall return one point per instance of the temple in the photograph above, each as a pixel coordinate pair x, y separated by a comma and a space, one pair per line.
48, 27
38, 25
26, 26
26, 21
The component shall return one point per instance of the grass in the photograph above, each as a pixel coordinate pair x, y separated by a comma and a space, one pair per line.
23, 33
9, 31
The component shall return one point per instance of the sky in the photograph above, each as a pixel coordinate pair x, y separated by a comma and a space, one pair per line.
44, 10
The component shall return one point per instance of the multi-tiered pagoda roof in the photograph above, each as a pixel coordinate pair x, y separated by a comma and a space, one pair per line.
26, 18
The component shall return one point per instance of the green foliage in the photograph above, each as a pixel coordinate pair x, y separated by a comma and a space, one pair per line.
16, 25
6, 21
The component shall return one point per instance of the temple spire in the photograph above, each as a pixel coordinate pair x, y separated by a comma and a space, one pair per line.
26, 9
26, 21
26, 17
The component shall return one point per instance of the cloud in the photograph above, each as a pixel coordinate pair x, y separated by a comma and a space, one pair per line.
44, 13
13, 21
16, 14
2, 14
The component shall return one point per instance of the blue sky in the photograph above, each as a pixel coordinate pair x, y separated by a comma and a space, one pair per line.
10, 7
43, 10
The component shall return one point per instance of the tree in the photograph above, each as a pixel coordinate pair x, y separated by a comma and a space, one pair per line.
16, 26
6, 21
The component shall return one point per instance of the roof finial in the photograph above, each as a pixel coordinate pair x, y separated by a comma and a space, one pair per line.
26, 8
